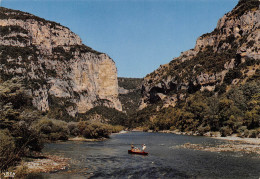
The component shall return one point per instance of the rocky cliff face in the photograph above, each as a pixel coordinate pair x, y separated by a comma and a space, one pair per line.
227, 56
55, 65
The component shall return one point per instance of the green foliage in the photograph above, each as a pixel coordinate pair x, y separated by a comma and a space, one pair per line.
52, 129
232, 74
19, 15
14, 52
141, 117
220, 88
18, 38
244, 6
225, 131
73, 129
83, 49
235, 111
206, 61
250, 43
96, 130
131, 100
6, 30
7, 149
252, 134
16, 121
114, 116
130, 83
243, 131
62, 54
67, 55
58, 108
93, 130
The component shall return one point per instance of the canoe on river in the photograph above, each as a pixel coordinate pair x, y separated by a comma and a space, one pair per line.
137, 152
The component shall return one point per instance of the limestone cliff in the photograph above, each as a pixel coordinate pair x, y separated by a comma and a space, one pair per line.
55, 65
227, 56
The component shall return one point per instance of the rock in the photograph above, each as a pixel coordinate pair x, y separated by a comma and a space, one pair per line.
235, 39
55, 63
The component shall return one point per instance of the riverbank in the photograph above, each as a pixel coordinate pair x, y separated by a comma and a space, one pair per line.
229, 147
255, 141
216, 135
45, 163
41, 164
83, 139
235, 144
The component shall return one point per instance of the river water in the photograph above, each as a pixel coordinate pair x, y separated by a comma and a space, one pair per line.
110, 159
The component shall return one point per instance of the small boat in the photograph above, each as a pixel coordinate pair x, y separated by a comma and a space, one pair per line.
137, 152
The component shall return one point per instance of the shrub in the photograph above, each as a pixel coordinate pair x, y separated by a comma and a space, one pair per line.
27, 138
7, 149
225, 131
252, 134
202, 130
231, 75
116, 129
6, 30
115, 117
53, 129
96, 130
243, 6
21, 171
73, 128
242, 131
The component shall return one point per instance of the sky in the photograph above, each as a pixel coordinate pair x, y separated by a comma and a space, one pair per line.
139, 35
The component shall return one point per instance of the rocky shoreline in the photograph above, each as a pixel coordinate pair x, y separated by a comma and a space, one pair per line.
41, 164
45, 163
230, 147
235, 144
86, 140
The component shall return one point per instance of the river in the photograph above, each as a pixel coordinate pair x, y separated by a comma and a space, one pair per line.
109, 158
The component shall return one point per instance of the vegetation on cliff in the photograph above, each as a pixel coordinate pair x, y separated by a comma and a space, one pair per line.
132, 97
244, 6
24, 129
213, 87
234, 112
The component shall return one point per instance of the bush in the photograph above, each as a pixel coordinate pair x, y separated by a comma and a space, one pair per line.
95, 130
231, 75
116, 129
252, 134
243, 131
202, 130
225, 131
243, 6
27, 138
73, 128
53, 129
7, 149
21, 171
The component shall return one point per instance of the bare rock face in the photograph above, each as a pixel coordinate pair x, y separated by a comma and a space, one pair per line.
55, 64
228, 55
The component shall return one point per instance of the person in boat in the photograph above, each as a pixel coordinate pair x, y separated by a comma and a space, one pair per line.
136, 149
144, 147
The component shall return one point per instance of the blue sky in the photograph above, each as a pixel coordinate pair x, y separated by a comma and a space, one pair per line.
139, 35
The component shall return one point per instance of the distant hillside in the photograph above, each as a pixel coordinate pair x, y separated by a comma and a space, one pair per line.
130, 93
213, 87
